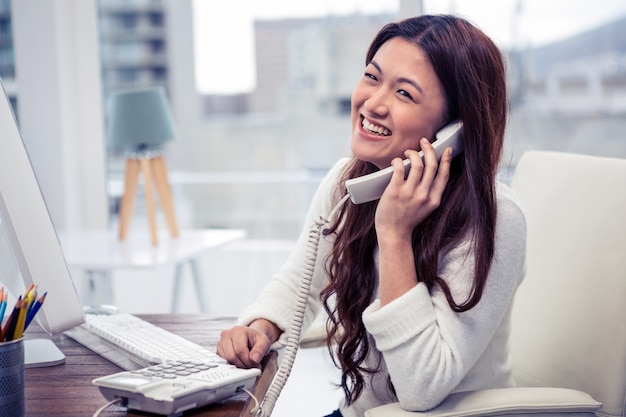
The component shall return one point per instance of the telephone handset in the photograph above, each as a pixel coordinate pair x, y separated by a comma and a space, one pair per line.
370, 187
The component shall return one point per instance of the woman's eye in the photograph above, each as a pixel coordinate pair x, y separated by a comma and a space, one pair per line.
405, 93
370, 76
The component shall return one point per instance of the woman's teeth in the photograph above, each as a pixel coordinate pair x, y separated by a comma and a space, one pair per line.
379, 130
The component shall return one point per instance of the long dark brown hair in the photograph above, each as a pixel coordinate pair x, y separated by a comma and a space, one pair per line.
471, 70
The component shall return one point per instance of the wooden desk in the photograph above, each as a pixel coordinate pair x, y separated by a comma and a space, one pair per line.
66, 390
99, 253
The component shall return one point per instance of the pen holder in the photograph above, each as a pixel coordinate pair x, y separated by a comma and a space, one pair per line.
12, 378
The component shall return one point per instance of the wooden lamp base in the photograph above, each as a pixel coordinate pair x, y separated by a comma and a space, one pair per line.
152, 168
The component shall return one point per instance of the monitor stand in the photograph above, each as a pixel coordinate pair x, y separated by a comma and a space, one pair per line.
39, 353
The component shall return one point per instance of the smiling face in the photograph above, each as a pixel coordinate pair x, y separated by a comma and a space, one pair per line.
398, 101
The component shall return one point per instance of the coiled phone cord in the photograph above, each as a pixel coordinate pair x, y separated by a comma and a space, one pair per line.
293, 335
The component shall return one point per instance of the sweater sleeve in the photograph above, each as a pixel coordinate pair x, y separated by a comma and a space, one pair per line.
276, 302
428, 348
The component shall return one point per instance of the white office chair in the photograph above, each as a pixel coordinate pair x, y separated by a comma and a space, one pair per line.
569, 319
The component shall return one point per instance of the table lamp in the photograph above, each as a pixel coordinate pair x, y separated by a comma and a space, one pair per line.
141, 121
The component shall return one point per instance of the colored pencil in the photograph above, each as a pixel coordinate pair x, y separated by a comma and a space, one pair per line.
34, 309
9, 328
3, 305
23, 313
21, 321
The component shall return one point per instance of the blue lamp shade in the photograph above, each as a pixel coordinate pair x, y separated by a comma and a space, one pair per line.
140, 119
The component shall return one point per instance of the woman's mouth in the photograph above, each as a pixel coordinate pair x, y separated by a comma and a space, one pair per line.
375, 129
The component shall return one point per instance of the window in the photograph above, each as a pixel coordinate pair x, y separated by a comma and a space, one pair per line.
156, 19
5, 27
127, 21
159, 74
127, 75
157, 46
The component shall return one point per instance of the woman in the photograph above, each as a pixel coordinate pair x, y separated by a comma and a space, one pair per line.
418, 285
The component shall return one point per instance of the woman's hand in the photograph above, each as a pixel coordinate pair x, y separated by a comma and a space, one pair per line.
245, 346
406, 203
403, 205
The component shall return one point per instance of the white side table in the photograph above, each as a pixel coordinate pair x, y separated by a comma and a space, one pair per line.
99, 253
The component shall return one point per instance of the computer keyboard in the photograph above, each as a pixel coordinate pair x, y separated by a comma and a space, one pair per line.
144, 340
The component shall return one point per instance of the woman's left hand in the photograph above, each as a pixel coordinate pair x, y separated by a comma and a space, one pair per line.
406, 203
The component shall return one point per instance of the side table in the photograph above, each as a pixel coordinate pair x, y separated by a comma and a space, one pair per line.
99, 254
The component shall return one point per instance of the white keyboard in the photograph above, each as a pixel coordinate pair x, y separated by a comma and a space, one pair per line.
146, 341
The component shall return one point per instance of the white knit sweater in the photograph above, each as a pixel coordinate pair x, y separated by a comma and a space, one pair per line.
428, 350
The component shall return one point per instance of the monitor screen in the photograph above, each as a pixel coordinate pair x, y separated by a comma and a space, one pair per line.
29, 238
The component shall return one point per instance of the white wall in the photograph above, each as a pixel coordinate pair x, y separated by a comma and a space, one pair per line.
60, 106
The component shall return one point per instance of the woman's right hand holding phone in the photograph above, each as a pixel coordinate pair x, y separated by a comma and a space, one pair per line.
405, 204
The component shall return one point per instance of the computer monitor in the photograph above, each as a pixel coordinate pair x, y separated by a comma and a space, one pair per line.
27, 230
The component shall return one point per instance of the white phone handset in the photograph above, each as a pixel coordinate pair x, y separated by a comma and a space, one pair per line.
370, 187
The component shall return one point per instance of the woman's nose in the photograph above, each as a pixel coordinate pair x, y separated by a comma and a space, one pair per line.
376, 104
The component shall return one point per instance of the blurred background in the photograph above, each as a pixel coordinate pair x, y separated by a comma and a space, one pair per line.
260, 92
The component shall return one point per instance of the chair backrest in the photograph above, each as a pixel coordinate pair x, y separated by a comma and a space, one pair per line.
569, 318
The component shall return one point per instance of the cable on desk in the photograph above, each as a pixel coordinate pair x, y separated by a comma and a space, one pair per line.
256, 401
105, 406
